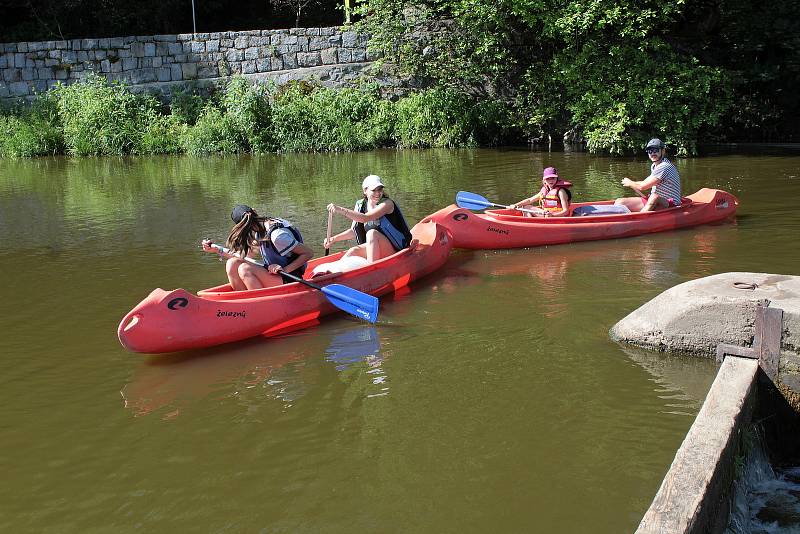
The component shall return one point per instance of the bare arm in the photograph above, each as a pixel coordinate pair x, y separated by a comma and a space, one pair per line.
384, 208
527, 201
303, 255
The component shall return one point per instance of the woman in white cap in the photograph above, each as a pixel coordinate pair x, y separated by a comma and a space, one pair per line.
378, 226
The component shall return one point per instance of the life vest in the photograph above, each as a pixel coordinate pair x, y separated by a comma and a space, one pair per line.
550, 200
393, 226
269, 251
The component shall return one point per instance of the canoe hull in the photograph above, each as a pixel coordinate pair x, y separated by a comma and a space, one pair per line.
169, 321
497, 229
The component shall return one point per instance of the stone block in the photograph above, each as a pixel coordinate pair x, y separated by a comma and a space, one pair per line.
327, 31
19, 88
50, 62
100, 54
34, 47
149, 49
373, 55
264, 65
234, 56
3, 61
137, 49
104, 43
162, 49
189, 71
12, 75
198, 47
143, 76
19, 60
359, 55
165, 38
207, 70
116, 66
82, 56
130, 63
44, 73
345, 55
226, 43
329, 56
202, 36
105, 66
174, 49
317, 43
164, 74
349, 39
302, 43
156, 61
248, 67
335, 40
182, 37
251, 53
309, 59
116, 42
176, 72
145, 62
8, 48
69, 57
61, 74
4, 92
279, 63
75, 44
28, 74
212, 45
242, 42
61, 45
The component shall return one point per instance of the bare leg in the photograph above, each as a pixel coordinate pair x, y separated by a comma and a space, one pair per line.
632, 203
257, 277
378, 246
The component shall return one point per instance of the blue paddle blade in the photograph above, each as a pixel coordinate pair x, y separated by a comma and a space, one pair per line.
352, 301
471, 201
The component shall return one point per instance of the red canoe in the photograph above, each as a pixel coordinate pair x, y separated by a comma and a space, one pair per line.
168, 321
505, 228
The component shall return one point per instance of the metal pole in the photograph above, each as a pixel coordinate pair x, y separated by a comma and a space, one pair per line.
194, 22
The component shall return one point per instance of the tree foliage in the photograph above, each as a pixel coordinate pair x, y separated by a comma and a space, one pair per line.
613, 72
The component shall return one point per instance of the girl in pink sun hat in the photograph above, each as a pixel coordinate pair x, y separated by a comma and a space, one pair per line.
554, 197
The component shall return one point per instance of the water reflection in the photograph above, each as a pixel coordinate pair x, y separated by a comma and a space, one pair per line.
278, 368
357, 345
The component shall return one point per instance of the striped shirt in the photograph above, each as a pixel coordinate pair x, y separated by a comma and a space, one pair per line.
669, 181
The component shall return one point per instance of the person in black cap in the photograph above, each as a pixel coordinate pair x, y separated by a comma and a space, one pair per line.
279, 243
664, 182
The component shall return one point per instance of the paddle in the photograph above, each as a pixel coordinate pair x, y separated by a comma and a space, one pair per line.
330, 220
345, 298
472, 201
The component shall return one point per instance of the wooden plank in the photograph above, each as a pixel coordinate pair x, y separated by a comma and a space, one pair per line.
770, 327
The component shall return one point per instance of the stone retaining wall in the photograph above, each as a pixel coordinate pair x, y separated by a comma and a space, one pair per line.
162, 60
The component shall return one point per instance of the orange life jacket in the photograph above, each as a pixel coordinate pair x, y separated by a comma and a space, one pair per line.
550, 200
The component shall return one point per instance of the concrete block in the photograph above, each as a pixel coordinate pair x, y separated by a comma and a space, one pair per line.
137, 49
164, 74
149, 49
176, 72
174, 49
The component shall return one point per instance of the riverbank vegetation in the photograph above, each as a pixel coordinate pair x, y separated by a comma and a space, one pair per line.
94, 117
608, 72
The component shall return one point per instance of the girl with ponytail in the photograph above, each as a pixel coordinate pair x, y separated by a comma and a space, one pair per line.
278, 242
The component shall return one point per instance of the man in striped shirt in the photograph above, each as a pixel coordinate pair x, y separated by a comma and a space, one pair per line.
664, 182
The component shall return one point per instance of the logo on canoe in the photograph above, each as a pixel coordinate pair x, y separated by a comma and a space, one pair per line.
497, 230
221, 313
460, 217
177, 302
722, 203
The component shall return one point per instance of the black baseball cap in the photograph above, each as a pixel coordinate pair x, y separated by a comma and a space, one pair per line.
239, 212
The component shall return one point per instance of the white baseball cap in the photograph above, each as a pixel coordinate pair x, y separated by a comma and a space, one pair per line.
372, 182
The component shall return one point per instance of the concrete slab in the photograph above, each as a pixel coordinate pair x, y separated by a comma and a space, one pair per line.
694, 317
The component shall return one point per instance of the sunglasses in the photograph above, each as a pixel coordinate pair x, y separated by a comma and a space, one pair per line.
652, 150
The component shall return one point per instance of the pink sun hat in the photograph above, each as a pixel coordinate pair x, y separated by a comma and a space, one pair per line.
550, 172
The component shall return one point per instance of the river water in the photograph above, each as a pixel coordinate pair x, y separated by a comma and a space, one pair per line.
487, 398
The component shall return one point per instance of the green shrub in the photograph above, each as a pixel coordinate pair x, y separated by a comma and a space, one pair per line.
321, 119
435, 118
101, 118
33, 131
214, 131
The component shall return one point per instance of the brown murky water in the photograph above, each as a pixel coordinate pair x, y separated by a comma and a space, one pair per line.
488, 397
